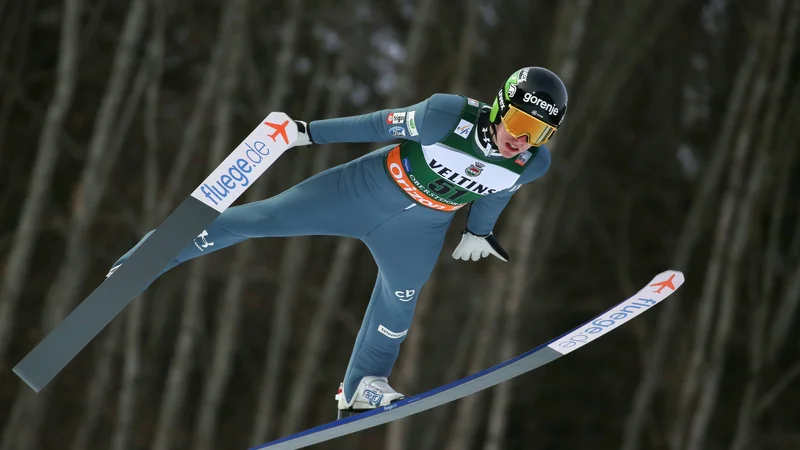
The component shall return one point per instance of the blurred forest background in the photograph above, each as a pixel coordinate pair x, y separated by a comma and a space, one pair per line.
679, 150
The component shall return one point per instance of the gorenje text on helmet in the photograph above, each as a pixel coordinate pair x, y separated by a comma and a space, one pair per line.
531, 98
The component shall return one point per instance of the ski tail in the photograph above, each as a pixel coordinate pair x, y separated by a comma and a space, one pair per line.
251, 158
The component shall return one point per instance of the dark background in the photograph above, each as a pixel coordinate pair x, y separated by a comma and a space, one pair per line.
679, 151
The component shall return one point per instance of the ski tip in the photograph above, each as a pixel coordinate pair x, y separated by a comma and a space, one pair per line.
666, 282
280, 122
671, 272
27, 379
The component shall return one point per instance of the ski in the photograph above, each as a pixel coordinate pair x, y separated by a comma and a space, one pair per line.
249, 160
659, 288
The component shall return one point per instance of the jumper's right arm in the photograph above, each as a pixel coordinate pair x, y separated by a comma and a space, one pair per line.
426, 122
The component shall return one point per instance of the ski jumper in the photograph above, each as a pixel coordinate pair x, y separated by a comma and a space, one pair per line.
399, 200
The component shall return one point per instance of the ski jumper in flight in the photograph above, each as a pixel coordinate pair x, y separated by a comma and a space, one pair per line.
399, 200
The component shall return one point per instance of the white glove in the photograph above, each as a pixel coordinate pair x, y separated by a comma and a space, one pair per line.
303, 135
476, 247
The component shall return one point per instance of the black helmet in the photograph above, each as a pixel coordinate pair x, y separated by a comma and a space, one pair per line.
539, 95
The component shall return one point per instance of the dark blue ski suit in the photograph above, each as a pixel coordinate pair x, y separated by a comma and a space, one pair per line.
360, 199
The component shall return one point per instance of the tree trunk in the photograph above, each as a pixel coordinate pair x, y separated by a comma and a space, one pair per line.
466, 48
14, 79
30, 407
222, 359
182, 361
730, 291
205, 432
192, 134
703, 328
332, 292
747, 418
568, 38
172, 403
280, 327
688, 239
133, 319
131, 370
769, 397
415, 46
789, 302
102, 372
134, 377
99, 384
525, 219
461, 356
466, 419
16, 267
747, 413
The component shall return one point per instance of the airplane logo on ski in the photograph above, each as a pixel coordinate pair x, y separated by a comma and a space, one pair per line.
279, 130
668, 283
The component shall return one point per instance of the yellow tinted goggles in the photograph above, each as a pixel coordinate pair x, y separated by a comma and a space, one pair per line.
519, 123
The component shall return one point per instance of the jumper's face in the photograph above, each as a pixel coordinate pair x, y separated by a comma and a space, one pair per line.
508, 145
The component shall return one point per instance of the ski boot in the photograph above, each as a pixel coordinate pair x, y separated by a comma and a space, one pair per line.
371, 393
